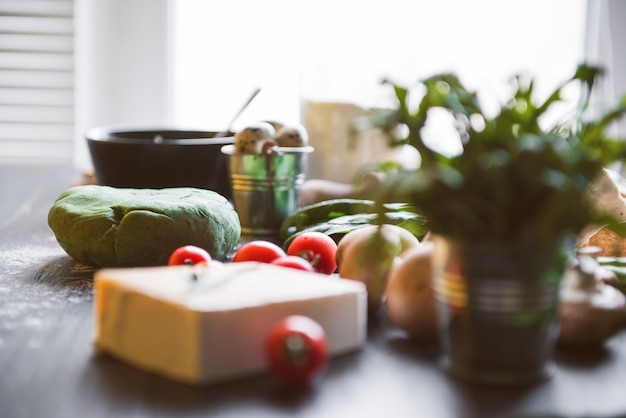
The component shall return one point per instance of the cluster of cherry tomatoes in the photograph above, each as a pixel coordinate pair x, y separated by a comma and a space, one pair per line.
296, 348
310, 251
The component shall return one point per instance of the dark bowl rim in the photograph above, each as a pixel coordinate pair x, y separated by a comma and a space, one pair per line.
106, 134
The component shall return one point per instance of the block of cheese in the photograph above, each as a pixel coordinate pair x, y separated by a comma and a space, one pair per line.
209, 324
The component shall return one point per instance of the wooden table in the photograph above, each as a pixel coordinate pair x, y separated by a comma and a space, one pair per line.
48, 366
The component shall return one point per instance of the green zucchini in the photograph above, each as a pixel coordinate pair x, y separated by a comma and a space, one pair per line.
336, 228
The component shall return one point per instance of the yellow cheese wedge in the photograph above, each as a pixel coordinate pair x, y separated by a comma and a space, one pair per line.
209, 324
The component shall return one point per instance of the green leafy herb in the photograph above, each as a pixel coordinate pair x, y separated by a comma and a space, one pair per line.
513, 177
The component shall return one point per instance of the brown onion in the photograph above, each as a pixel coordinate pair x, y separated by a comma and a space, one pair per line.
409, 300
590, 311
368, 254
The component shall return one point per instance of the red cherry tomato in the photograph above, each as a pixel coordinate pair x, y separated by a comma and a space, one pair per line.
296, 349
316, 247
189, 254
293, 261
258, 250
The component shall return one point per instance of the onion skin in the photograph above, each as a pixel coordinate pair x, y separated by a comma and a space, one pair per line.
590, 310
407, 239
368, 254
350, 238
592, 321
409, 300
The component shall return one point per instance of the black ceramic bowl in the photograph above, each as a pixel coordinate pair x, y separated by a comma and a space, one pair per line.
159, 158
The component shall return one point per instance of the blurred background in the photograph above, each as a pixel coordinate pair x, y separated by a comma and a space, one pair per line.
69, 65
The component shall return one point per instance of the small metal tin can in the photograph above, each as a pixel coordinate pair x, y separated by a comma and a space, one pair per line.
266, 187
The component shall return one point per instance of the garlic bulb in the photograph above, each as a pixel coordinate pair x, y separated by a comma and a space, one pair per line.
590, 311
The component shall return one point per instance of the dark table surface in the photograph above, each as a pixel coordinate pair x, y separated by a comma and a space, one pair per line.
48, 366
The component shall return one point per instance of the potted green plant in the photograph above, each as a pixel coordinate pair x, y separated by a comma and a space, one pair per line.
503, 213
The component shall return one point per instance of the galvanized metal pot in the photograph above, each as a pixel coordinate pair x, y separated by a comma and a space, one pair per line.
266, 187
497, 306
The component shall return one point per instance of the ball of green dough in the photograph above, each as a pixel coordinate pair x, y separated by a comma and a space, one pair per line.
118, 227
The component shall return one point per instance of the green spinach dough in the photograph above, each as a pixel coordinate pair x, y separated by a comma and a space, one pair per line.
106, 226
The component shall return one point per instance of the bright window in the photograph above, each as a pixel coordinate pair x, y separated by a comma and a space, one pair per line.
337, 51
222, 50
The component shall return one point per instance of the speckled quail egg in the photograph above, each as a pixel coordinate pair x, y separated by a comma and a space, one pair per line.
292, 136
246, 139
276, 124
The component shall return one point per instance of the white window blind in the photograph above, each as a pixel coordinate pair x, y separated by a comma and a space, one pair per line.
36, 80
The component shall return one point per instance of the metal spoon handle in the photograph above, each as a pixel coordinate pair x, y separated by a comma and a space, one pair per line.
232, 121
